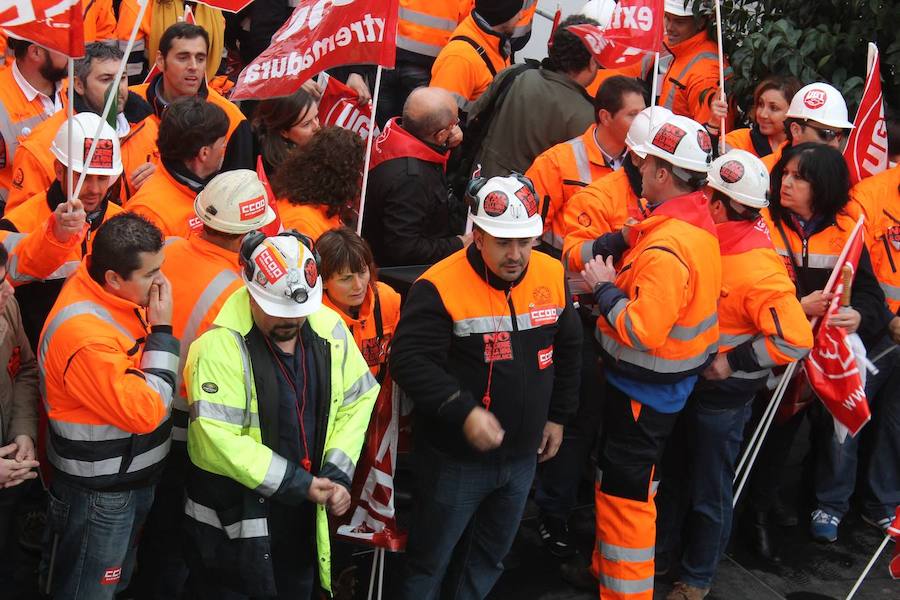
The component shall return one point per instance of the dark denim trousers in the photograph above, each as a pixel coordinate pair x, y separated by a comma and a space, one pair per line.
713, 441
464, 523
836, 466
92, 538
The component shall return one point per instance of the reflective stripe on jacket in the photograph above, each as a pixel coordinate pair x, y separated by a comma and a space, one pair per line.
235, 473
108, 384
425, 26
878, 197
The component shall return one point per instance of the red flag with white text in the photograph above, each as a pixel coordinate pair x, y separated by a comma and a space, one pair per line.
54, 24
635, 29
373, 519
866, 152
340, 106
831, 367
319, 35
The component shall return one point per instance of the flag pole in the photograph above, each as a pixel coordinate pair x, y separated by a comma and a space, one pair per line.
70, 150
654, 84
111, 96
869, 566
365, 181
721, 75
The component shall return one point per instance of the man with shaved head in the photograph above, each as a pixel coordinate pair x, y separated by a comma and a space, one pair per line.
410, 216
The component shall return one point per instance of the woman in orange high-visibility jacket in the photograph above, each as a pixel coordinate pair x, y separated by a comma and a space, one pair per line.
809, 225
370, 308
771, 99
317, 184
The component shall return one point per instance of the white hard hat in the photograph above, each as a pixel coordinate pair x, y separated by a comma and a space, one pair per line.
599, 10
681, 141
107, 159
742, 177
643, 122
282, 274
234, 202
822, 103
678, 8
506, 207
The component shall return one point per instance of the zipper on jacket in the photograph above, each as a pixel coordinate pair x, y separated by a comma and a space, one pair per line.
890, 254
805, 255
512, 311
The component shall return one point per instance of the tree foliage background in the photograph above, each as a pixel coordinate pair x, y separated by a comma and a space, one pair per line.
813, 40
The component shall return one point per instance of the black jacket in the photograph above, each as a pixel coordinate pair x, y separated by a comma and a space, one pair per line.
445, 374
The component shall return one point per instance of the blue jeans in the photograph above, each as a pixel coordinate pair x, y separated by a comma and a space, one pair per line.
465, 520
837, 463
91, 540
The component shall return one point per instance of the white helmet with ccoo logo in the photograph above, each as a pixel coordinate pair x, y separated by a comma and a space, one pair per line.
234, 202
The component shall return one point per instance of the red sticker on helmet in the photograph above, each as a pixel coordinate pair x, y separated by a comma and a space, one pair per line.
496, 203
253, 208
731, 172
528, 200
103, 155
668, 137
311, 271
270, 265
815, 99
704, 141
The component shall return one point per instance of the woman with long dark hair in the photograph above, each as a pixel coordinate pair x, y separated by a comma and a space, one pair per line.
284, 124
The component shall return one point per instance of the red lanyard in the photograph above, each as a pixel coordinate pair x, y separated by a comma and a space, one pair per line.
306, 463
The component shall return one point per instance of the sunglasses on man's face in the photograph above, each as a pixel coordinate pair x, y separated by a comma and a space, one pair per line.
827, 135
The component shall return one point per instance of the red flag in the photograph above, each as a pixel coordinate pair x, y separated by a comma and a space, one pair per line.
373, 519
636, 28
894, 531
867, 149
320, 36
340, 106
556, 19
54, 24
274, 227
232, 6
831, 366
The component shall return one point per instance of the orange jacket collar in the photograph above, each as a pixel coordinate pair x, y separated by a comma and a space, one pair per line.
100, 294
692, 208
737, 237
365, 309
689, 46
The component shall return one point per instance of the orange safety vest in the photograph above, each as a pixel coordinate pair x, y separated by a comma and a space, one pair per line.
878, 197
669, 329
523, 26
167, 204
374, 327
462, 70
425, 26
203, 277
311, 220
692, 79
18, 117
602, 207
758, 303
99, 21
108, 384
33, 166
560, 172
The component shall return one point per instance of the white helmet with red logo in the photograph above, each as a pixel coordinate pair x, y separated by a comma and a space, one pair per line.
822, 103
107, 159
683, 142
742, 177
234, 202
643, 123
282, 273
505, 207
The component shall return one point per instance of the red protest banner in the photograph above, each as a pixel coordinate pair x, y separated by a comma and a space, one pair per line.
636, 28
321, 34
232, 6
867, 149
54, 24
340, 106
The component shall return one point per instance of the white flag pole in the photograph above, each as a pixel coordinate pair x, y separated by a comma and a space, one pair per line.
721, 75
70, 150
869, 566
654, 85
365, 181
112, 96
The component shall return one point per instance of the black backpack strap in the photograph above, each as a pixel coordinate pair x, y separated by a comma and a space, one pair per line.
790, 252
479, 49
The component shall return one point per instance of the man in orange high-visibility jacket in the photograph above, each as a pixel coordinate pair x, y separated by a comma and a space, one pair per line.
107, 358
564, 169
478, 50
878, 197
191, 147
203, 271
135, 126
607, 204
30, 92
761, 325
654, 343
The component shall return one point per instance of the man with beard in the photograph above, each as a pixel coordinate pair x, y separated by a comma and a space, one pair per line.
29, 94
33, 165
280, 399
